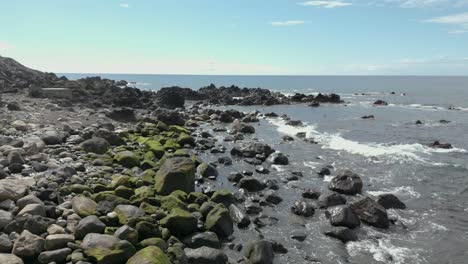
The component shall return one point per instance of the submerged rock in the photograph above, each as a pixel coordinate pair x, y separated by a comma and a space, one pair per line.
390, 201
346, 182
343, 215
370, 212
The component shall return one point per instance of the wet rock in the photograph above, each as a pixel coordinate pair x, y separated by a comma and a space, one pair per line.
294, 123
219, 221
251, 150
278, 158
242, 128
346, 182
342, 233
251, 184
239, 216
205, 239
380, 102
95, 145
205, 255
390, 201
206, 170
370, 212
331, 199
299, 235
262, 170
176, 174
149, 255
103, 249
368, 117
437, 144
87, 225
342, 215
259, 252
28, 245
235, 177
303, 208
272, 197
311, 194
418, 122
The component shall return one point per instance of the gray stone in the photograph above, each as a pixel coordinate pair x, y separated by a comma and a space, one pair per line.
127, 233
197, 240
346, 182
103, 249
259, 252
58, 256
15, 157
95, 145
58, 241
83, 206
205, 255
52, 138
343, 215
33, 209
5, 244
5, 218
28, 199
28, 245
89, 224
10, 259
13, 188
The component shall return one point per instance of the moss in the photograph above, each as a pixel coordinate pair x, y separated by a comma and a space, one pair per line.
149, 255
179, 129
179, 194
147, 229
148, 208
119, 180
99, 188
180, 222
175, 174
171, 144
124, 192
196, 197
110, 197
79, 188
162, 126
170, 202
153, 241
149, 155
110, 230
219, 221
193, 207
156, 147
148, 176
223, 196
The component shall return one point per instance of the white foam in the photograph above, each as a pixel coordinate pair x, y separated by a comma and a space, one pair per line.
398, 152
383, 250
401, 191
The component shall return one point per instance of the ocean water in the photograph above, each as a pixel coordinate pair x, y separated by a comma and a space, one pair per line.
390, 153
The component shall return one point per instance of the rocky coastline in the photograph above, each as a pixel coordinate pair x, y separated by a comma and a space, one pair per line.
119, 175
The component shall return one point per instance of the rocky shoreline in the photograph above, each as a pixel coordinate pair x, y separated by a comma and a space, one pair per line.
119, 175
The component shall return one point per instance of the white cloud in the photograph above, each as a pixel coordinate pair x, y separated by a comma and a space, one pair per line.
460, 20
6, 46
124, 5
325, 4
429, 3
287, 23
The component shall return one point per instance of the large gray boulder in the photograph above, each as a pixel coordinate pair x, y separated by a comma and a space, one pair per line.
176, 174
371, 212
28, 245
343, 215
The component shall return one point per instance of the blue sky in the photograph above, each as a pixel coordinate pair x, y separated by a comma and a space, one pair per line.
340, 37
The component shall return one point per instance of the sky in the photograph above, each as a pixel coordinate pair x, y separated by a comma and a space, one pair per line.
241, 37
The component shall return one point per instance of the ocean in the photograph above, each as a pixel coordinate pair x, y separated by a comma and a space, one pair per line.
390, 153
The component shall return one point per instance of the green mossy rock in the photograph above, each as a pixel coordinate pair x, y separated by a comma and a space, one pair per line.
196, 197
79, 188
219, 221
147, 229
170, 202
155, 147
223, 196
148, 176
154, 241
175, 174
120, 180
127, 159
124, 192
180, 222
148, 208
181, 195
149, 255
109, 196
179, 129
107, 249
185, 139
83, 206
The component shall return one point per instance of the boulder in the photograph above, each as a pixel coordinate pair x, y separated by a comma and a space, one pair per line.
343, 215
95, 145
180, 222
370, 212
89, 224
342, 233
51, 137
33, 209
5, 218
126, 212
251, 149
169, 98
28, 245
176, 174
219, 221
303, 208
346, 182
107, 249
205, 255
149, 255
53, 242
83, 206
127, 159
54, 256
242, 128
251, 184
124, 115
259, 252
206, 170
329, 199
390, 201
127, 233
205, 239
15, 157
239, 216
13, 189
278, 158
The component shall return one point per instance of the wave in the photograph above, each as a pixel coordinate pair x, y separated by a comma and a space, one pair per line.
402, 191
400, 152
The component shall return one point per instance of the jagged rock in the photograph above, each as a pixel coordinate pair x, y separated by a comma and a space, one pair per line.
239, 216
389, 201
169, 98
346, 182
127, 233
343, 215
278, 158
370, 212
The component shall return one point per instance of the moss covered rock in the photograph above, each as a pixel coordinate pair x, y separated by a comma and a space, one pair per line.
107, 249
156, 148
127, 159
83, 206
223, 196
176, 174
154, 241
219, 221
180, 222
149, 255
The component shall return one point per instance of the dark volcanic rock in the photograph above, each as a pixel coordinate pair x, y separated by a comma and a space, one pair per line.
251, 149
437, 144
343, 215
124, 115
380, 102
370, 212
389, 201
170, 98
303, 208
259, 252
329, 199
342, 233
346, 182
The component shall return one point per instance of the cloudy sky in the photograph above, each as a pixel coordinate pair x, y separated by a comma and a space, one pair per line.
338, 37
